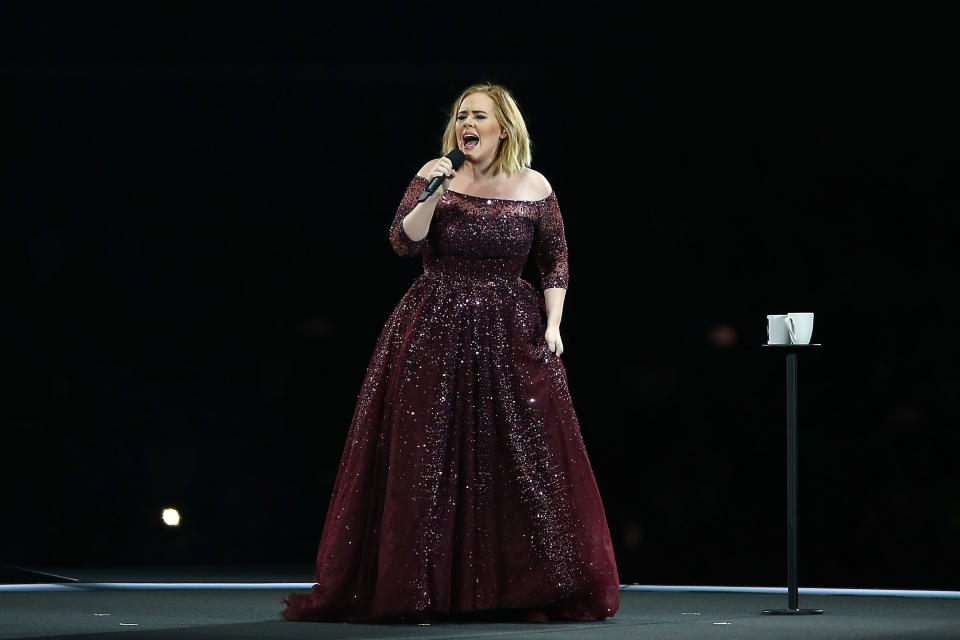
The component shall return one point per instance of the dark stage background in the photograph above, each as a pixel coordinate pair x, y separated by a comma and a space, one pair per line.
196, 268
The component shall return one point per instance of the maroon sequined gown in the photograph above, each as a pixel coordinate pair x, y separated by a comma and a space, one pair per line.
464, 484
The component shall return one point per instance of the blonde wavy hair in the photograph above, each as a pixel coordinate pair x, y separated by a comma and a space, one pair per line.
513, 152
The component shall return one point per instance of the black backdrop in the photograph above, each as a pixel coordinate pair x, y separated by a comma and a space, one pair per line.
196, 267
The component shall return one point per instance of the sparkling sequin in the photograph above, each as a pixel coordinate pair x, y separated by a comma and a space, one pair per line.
464, 482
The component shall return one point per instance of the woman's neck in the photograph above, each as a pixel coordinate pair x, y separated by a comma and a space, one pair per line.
479, 173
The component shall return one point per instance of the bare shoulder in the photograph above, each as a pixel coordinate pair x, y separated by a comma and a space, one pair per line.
535, 185
425, 169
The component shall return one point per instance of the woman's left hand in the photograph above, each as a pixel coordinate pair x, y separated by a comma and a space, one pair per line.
552, 335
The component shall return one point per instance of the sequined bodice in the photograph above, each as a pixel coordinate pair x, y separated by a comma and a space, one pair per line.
488, 237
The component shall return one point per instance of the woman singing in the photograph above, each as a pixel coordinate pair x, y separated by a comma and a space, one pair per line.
464, 486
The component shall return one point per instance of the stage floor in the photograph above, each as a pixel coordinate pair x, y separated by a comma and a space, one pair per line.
101, 605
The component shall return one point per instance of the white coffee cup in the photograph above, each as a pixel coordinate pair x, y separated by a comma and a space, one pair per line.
800, 327
777, 329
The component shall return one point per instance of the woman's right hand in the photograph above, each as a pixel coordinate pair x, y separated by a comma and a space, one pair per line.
443, 167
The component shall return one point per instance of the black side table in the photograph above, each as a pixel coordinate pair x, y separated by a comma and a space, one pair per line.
793, 607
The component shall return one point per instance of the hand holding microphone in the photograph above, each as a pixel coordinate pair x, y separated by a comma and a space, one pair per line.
442, 172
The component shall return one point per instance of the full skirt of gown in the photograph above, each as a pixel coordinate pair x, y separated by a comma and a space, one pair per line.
464, 484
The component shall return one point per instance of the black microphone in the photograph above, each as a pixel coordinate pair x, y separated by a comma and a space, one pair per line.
456, 157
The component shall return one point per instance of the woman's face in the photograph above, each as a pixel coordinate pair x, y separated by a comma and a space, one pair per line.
478, 131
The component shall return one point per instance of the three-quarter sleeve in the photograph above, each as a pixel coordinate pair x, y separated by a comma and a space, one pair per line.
550, 246
399, 239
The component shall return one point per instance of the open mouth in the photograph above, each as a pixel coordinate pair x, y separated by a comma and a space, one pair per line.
470, 141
